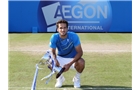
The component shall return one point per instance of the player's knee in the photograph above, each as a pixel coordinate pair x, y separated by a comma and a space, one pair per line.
81, 62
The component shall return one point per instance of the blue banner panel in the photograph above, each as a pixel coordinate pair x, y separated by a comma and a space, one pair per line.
82, 15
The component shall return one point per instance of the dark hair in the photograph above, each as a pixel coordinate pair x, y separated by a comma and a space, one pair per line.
61, 21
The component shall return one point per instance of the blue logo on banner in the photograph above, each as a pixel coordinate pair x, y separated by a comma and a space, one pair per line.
82, 15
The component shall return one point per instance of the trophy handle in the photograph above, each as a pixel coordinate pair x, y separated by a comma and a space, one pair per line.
61, 71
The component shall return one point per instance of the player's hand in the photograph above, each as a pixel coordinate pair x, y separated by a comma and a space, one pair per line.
66, 66
57, 63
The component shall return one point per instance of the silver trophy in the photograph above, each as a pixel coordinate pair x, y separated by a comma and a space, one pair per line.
47, 60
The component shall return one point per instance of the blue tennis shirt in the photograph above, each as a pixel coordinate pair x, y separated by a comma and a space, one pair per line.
66, 47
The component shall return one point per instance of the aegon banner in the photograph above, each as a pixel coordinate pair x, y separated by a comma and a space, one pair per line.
82, 15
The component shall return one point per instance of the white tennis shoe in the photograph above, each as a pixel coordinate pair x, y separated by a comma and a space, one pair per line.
59, 81
76, 82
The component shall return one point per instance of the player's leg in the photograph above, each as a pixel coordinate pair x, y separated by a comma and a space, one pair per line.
62, 61
79, 66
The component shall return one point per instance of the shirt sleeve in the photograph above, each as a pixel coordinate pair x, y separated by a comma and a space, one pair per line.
76, 40
52, 43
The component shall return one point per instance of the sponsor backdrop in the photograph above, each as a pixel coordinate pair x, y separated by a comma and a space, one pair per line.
82, 15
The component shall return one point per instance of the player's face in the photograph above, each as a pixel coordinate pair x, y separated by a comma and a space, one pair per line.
62, 29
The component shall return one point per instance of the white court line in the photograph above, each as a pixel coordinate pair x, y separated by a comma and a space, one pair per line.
83, 50
90, 88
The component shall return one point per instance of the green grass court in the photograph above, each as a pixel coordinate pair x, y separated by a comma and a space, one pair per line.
108, 58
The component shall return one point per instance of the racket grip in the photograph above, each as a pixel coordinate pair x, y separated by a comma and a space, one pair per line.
61, 71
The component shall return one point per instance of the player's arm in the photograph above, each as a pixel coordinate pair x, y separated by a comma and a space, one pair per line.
53, 50
78, 48
78, 55
52, 45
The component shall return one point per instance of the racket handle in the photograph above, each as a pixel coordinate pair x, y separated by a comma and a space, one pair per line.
61, 71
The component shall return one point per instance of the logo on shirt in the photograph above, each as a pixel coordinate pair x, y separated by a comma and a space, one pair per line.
82, 15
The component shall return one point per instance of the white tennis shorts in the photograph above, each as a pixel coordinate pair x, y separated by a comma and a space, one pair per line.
62, 61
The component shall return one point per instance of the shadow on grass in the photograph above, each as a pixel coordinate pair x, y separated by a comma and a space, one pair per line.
89, 87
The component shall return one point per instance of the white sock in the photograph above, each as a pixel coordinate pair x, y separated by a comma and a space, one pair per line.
78, 75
